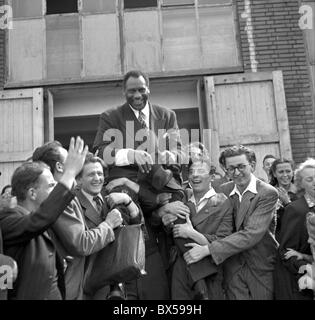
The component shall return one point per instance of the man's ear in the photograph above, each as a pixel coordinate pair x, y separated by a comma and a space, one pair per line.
32, 194
59, 167
253, 166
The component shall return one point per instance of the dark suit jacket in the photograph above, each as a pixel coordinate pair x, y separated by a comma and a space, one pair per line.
116, 118
214, 221
73, 238
4, 261
294, 235
26, 240
252, 242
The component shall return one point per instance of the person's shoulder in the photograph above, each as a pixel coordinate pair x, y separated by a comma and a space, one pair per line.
161, 109
112, 111
299, 206
266, 188
227, 187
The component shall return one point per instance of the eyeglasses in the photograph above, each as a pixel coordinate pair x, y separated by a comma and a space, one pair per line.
240, 167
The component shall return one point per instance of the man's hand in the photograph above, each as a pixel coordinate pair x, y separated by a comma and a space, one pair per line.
167, 157
293, 253
74, 162
168, 220
116, 198
122, 182
177, 208
163, 198
142, 158
195, 254
114, 218
184, 230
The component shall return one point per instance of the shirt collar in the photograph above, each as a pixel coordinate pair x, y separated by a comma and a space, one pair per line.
252, 187
309, 201
90, 197
210, 193
145, 110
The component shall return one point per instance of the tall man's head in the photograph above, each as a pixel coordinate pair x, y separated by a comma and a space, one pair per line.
136, 89
91, 178
239, 163
32, 182
54, 155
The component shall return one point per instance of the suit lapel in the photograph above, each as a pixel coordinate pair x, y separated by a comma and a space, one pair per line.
243, 208
89, 211
208, 211
156, 122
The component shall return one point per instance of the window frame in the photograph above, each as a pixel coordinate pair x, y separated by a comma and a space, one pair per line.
114, 77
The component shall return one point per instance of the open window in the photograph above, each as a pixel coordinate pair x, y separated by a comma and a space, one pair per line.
61, 6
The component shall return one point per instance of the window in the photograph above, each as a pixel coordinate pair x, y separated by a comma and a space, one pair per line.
27, 8
98, 6
131, 4
61, 6
85, 39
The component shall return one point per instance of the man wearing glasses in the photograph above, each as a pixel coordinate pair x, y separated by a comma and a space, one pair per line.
251, 249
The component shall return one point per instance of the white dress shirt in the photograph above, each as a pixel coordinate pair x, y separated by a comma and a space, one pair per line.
121, 158
251, 187
203, 201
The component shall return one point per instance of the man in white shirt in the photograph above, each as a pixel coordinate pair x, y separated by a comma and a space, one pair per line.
252, 247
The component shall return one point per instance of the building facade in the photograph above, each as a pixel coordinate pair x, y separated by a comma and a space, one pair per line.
240, 70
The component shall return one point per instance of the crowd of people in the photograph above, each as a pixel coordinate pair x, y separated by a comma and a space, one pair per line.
206, 236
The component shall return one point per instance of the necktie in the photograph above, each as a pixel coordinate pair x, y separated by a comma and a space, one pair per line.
99, 204
141, 118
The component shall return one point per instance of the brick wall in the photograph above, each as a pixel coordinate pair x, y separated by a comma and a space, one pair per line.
279, 45
2, 55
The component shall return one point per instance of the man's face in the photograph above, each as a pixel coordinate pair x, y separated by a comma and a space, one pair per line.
199, 177
243, 169
137, 92
45, 185
92, 178
308, 181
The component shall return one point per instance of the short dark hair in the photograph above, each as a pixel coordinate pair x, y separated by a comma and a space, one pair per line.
237, 151
25, 177
135, 74
268, 156
48, 153
273, 168
203, 160
5, 188
91, 158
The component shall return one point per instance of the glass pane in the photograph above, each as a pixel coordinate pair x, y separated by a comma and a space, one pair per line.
180, 41
26, 56
98, 60
27, 8
142, 35
61, 6
218, 39
94, 6
177, 2
129, 4
201, 2
63, 46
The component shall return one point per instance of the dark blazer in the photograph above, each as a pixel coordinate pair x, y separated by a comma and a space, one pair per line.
73, 238
214, 221
252, 243
26, 240
294, 235
116, 118
4, 261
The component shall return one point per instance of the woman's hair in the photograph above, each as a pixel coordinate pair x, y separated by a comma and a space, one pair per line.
273, 168
309, 163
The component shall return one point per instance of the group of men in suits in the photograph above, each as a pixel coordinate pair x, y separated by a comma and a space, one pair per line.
55, 224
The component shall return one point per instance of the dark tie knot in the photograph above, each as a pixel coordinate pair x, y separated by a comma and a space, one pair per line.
98, 201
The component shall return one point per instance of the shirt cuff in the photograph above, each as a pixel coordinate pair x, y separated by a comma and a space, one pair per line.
121, 157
